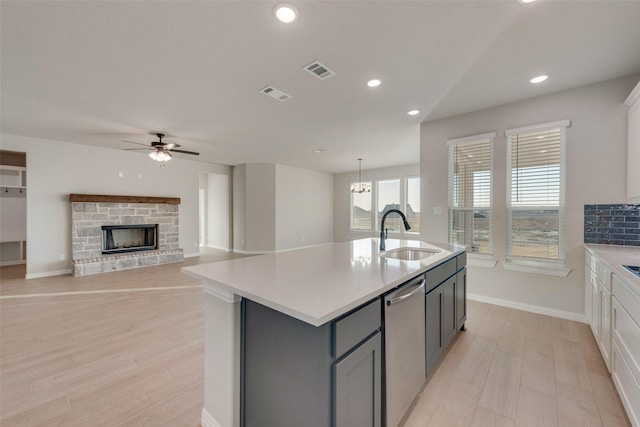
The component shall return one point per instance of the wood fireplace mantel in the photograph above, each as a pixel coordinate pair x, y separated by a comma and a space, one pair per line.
102, 198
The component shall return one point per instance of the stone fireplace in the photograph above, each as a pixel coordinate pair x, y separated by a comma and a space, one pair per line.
117, 239
111, 233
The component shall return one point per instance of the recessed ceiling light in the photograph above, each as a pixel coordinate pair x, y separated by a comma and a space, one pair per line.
413, 112
286, 13
525, 1
321, 150
539, 79
374, 83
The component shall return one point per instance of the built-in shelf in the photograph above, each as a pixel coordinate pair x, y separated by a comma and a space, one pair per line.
13, 176
103, 198
13, 208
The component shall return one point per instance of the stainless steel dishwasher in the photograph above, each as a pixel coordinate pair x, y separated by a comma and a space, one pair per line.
404, 347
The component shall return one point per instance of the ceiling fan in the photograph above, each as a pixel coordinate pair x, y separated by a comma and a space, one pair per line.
160, 151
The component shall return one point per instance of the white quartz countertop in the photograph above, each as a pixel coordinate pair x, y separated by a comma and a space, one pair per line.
616, 257
319, 284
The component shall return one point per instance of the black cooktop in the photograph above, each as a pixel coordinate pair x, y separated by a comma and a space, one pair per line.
633, 268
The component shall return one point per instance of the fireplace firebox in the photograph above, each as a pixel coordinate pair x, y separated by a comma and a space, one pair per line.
129, 238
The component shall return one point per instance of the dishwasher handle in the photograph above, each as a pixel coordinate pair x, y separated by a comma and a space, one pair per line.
407, 293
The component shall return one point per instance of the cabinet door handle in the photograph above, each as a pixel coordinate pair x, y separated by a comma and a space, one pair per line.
418, 288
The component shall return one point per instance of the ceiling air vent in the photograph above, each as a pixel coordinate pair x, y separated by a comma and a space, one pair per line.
275, 93
320, 71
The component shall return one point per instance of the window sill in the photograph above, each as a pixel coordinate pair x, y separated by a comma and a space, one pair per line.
481, 260
538, 267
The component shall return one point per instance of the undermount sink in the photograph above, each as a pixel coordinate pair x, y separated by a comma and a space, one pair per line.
409, 254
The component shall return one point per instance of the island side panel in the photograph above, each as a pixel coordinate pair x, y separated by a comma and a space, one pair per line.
222, 361
286, 366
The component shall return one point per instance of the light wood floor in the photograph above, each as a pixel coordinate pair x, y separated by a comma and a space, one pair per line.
514, 368
126, 349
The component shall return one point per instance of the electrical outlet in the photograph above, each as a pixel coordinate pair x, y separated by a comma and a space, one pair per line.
62, 257
437, 210
139, 176
120, 174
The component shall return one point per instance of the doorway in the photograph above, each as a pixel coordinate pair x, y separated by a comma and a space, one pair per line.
214, 205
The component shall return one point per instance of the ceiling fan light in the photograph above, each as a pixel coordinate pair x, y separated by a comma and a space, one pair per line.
160, 155
164, 156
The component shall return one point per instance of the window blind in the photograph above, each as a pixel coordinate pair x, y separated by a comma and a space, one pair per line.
470, 190
535, 191
535, 168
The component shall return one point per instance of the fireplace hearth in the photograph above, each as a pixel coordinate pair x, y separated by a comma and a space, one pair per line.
117, 239
111, 233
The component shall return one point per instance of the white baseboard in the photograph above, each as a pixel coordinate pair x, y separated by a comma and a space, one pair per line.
561, 314
207, 419
48, 273
16, 262
221, 248
240, 251
192, 255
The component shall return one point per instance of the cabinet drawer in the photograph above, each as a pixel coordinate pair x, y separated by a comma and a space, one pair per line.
604, 274
588, 260
627, 299
461, 261
440, 273
355, 327
628, 388
627, 335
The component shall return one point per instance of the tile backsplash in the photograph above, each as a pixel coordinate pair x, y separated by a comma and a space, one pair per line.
612, 224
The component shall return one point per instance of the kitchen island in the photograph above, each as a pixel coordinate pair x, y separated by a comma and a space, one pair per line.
278, 327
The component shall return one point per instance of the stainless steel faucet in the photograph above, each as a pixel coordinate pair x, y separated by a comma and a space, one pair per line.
383, 232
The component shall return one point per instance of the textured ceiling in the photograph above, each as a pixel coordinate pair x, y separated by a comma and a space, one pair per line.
96, 73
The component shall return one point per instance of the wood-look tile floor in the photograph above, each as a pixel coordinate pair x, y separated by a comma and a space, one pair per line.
126, 349
514, 368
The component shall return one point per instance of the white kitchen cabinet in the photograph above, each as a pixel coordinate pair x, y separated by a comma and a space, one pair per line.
625, 355
598, 303
589, 280
603, 275
613, 293
633, 146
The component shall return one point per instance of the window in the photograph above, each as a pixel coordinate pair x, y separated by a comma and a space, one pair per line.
397, 193
535, 192
470, 197
412, 196
361, 215
389, 198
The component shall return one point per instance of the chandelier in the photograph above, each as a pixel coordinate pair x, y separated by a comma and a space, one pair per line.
360, 187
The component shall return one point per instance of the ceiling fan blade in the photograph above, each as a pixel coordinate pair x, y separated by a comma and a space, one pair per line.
136, 149
185, 152
137, 143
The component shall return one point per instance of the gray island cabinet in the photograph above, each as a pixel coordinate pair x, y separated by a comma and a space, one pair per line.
296, 374
311, 353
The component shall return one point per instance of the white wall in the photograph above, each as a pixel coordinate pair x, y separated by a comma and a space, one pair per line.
239, 207
596, 173
261, 207
278, 207
304, 207
341, 188
217, 221
57, 169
